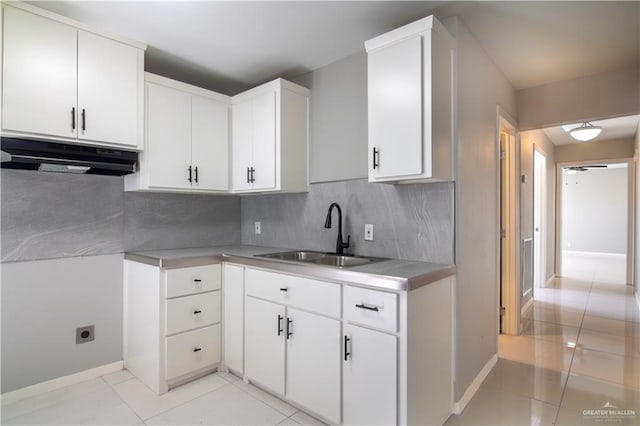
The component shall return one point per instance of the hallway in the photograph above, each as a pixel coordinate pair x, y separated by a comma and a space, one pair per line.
577, 358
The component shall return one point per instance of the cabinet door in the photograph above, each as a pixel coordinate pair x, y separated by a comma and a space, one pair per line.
369, 377
313, 363
241, 151
210, 143
264, 343
395, 110
39, 75
233, 317
168, 136
108, 78
264, 140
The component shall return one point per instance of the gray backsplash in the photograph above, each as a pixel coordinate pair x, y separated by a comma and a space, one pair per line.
410, 221
53, 215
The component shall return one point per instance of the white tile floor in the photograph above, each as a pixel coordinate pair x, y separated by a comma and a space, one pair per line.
121, 399
579, 350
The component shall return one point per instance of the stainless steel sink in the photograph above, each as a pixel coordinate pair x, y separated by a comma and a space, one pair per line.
319, 258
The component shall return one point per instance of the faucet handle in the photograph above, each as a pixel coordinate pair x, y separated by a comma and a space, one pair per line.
346, 245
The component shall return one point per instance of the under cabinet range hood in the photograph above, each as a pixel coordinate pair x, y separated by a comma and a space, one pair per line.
60, 157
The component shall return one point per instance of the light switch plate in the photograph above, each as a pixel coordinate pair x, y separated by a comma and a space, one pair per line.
368, 232
256, 227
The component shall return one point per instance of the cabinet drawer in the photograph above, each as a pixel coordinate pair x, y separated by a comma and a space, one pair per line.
371, 307
189, 312
191, 351
304, 293
181, 282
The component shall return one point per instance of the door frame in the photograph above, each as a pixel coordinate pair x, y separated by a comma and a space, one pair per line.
539, 210
631, 210
508, 259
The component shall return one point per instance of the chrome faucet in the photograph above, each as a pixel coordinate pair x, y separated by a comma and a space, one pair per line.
340, 245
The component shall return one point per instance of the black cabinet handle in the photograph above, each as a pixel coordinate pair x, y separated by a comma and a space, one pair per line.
346, 353
197, 349
84, 120
248, 175
369, 308
253, 175
190, 177
196, 174
289, 328
197, 280
73, 118
376, 158
283, 289
197, 311
280, 324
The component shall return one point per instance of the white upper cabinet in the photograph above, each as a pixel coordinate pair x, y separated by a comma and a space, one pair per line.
66, 84
186, 139
410, 103
269, 137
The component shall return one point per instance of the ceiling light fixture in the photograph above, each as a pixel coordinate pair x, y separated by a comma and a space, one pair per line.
586, 132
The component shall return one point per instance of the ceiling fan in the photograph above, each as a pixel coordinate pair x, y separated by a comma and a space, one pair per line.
575, 169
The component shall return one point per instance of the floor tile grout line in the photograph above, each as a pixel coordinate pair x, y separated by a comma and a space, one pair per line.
268, 405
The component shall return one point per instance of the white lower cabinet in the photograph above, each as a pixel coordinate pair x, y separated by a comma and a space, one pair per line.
345, 353
369, 377
172, 328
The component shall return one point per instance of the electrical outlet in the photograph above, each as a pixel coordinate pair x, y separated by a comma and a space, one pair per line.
368, 232
256, 227
85, 334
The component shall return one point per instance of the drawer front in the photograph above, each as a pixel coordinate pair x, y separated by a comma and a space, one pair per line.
189, 312
373, 308
197, 279
191, 351
305, 293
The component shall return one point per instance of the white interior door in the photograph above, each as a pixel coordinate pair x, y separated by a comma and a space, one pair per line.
210, 143
539, 226
107, 90
168, 136
264, 343
39, 75
313, 363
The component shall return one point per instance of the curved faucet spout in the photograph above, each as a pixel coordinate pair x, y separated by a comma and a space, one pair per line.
340, 244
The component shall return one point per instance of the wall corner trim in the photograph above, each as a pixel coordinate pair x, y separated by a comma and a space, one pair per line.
459, 406
550, 280
60, 382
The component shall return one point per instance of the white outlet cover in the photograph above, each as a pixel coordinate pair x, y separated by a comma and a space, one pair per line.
257, 228
368, 232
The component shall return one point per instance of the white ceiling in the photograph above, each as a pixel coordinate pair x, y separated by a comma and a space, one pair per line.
612, 128
229, 46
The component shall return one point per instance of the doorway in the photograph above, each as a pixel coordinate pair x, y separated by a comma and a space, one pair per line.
594, 221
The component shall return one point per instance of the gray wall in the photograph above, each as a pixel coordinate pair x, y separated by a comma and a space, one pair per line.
60, 217
43, 302
481, 87
410, 221
594, 211
338, 128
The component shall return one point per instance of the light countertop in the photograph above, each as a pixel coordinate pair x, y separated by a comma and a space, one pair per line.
392, 274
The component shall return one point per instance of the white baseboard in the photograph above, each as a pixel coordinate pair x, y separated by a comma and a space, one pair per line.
550, 280
60, 382
526, 306
594, 254
459, 406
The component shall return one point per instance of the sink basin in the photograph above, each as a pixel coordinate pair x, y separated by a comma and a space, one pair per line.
319, 258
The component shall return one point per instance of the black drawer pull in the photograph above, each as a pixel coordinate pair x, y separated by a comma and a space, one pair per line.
197, 280
368, 308
283, 289
197, 349
346, 353
197, 311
